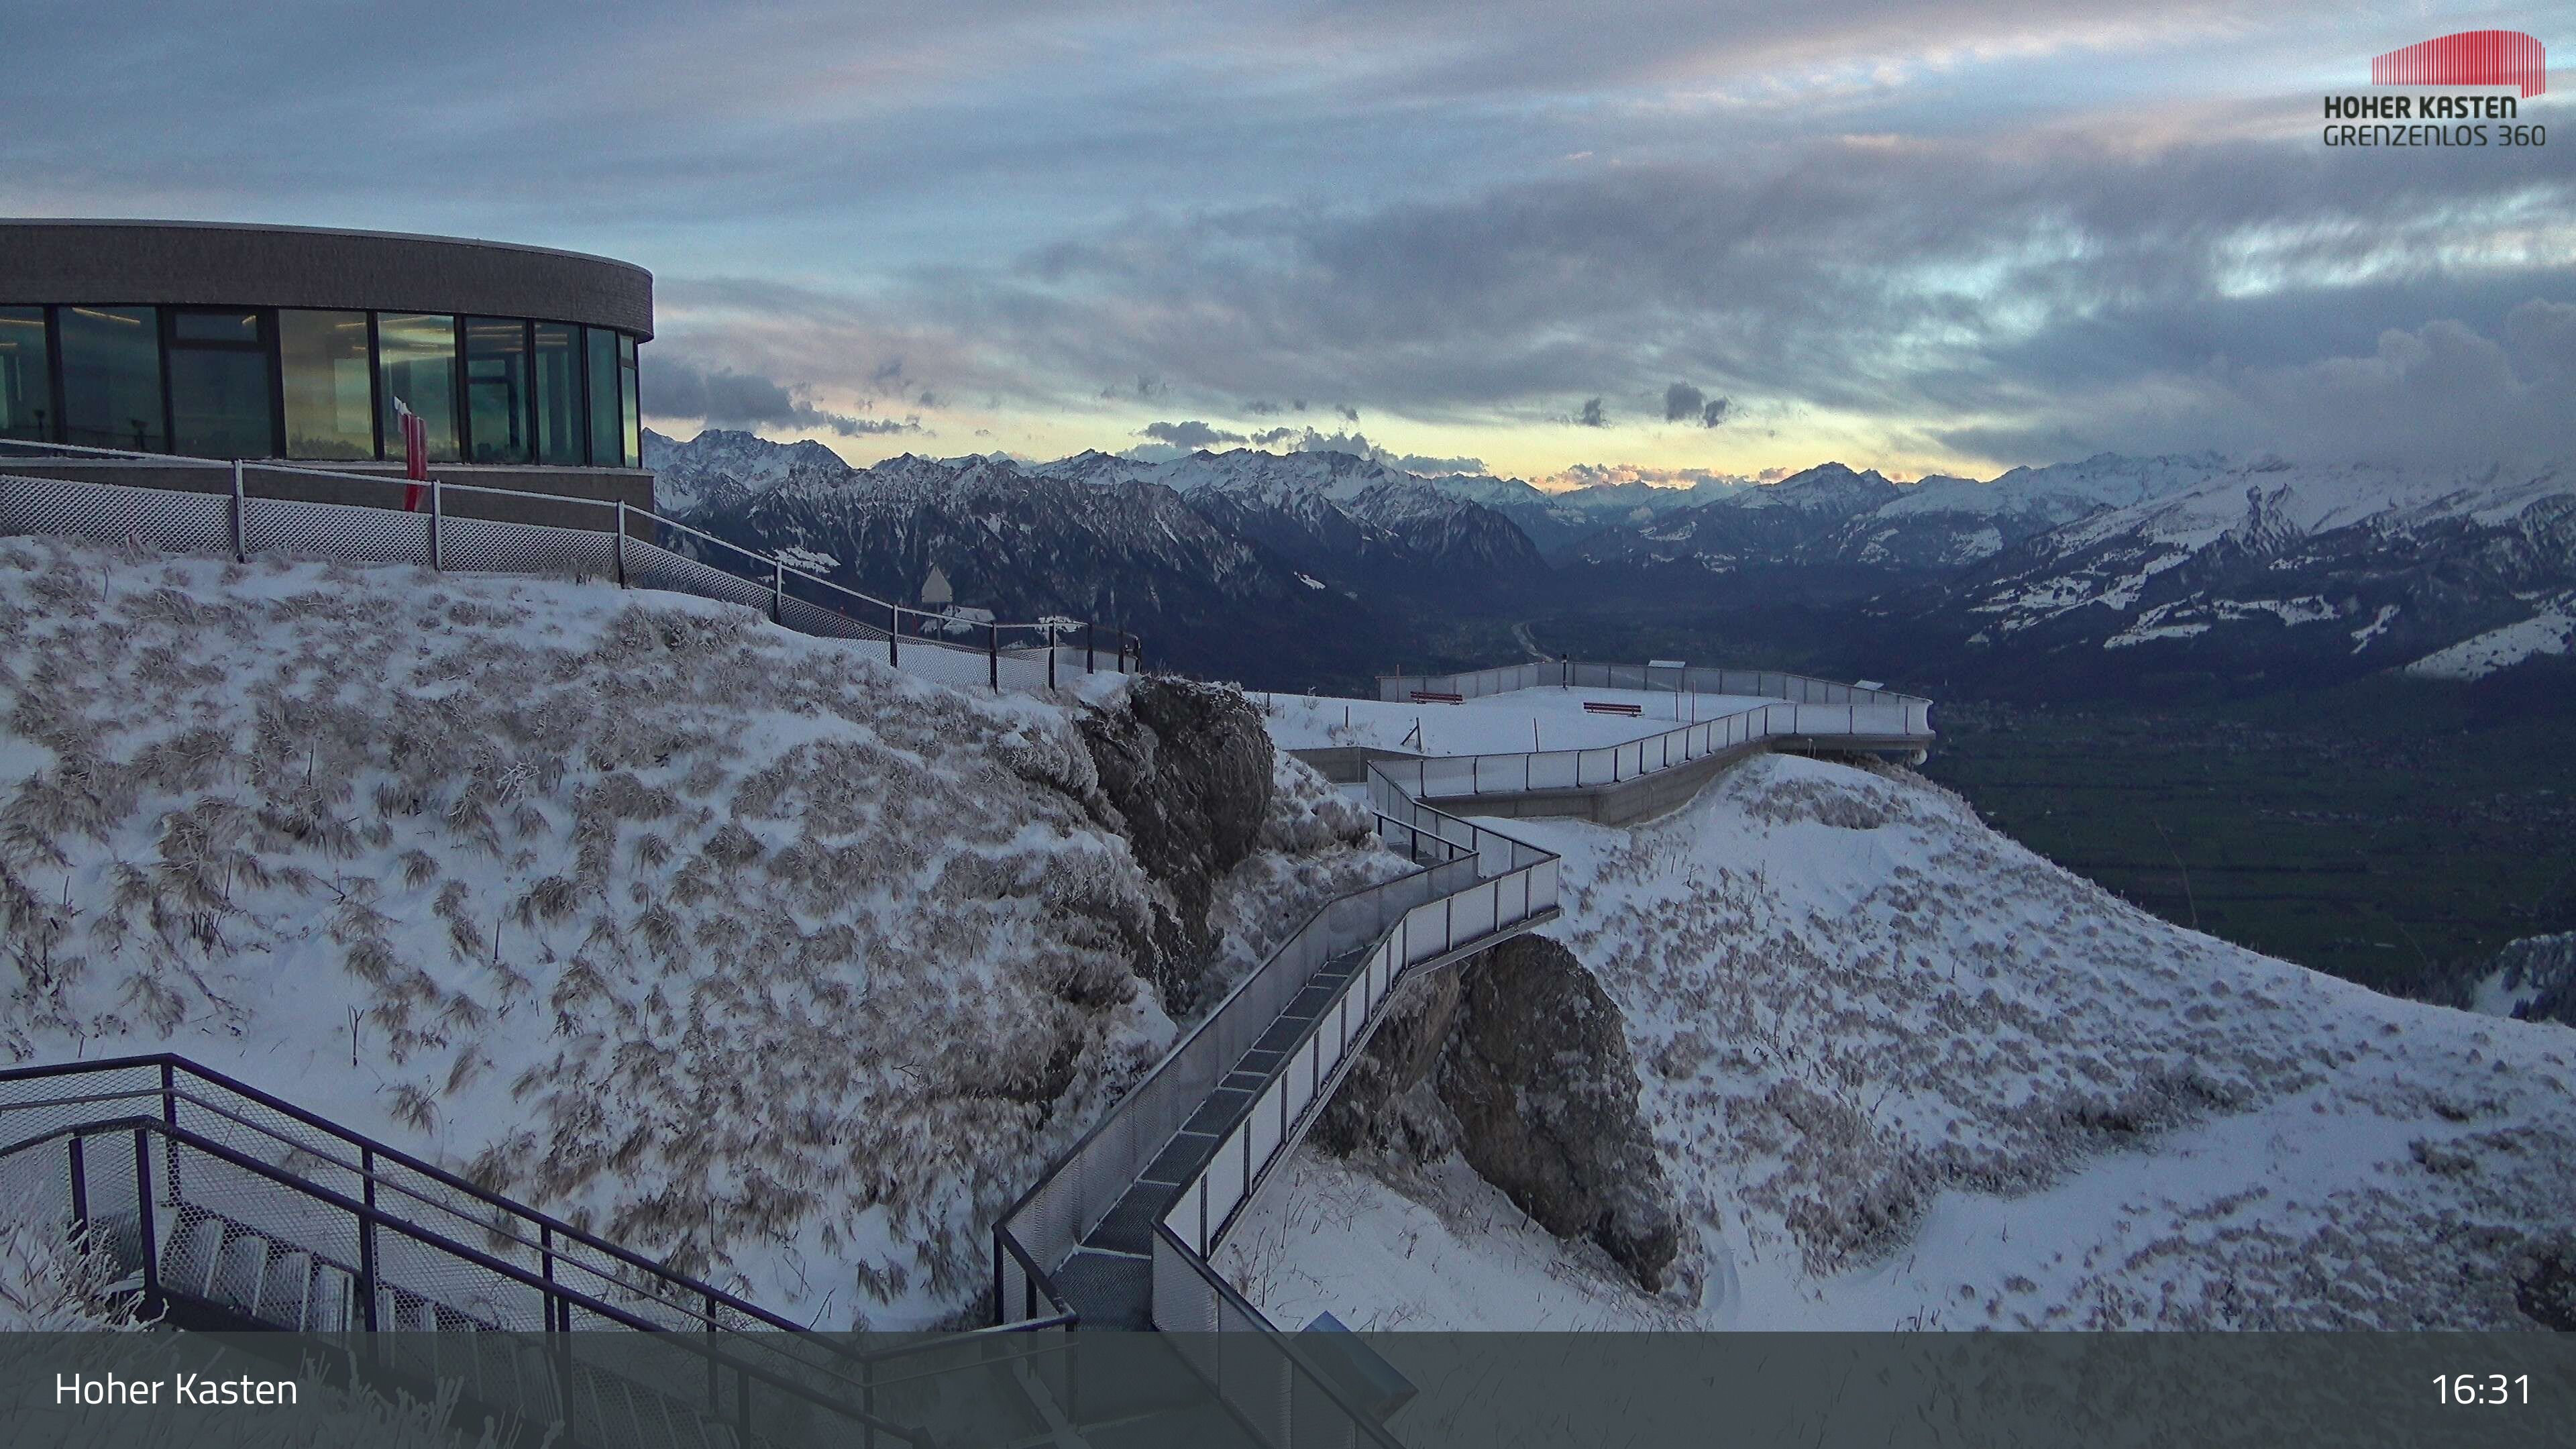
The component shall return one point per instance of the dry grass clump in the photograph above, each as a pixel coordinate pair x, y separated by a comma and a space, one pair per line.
52, 1281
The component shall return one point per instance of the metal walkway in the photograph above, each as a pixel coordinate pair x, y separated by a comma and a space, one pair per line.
1119, 1231
1109, 1278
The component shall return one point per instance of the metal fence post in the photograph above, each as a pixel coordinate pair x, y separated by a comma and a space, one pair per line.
894, 630
241, 544
993, 654
777, 591
170, 1115
367, 1241
437, 517
1090, 647
152, 1305
715, 1367
619, 547
1050, 648
80, 1187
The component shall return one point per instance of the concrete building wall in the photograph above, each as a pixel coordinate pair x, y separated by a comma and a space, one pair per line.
168, 263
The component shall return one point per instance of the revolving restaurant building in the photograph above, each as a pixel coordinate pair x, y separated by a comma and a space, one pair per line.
296, 343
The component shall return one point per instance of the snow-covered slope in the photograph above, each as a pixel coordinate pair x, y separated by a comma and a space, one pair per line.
2061, 492
2551, 630
1907, 1074
727, 942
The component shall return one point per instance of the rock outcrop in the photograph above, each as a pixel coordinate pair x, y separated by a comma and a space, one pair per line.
1185, 772
1519, 1061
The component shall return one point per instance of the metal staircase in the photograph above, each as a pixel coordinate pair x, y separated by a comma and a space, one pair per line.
224, 1208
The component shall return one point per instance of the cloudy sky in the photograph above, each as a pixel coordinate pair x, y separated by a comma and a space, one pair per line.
1553, 240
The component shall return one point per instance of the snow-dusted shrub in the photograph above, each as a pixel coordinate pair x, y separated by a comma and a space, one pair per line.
55, 1282
1309, 812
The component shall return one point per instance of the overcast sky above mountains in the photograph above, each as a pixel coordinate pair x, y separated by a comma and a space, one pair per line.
1656, 239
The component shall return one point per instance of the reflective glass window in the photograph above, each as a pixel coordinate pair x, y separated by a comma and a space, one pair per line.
330, 394
560, 419
626, 391
26, 379
416, 365
607, 435
220, 405
497, 402
238, 326
111, 377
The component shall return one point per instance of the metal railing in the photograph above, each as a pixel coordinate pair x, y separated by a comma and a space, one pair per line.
1258, 1372
265, 507
166, 1160
1475, 887
1587, 674
1815, 709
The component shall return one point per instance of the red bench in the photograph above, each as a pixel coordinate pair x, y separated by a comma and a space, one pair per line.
1433, 696
1604, 706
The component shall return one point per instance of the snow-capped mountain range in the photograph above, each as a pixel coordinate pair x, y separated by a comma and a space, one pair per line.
2281, 569
1832, 514
1324, 512
1327, 512
2192, 561
1022, 545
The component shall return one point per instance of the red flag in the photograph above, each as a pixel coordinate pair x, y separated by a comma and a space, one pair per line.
415, 431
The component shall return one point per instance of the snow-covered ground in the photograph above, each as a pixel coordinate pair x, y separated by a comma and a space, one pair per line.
2550, 631
1906, 1074
1523, 719
728, 942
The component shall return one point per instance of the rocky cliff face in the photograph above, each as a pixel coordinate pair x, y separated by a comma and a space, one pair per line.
1519, 1062
1185, 771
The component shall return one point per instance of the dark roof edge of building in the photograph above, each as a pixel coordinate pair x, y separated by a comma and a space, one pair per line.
253, 226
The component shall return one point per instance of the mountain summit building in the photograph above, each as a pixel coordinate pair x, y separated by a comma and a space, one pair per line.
297, 343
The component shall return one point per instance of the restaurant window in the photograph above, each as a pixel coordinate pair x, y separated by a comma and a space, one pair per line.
416, 366
497, 400
220, 404
626, 391
330, 392
26, 376
560, 419
111, 377
607, 435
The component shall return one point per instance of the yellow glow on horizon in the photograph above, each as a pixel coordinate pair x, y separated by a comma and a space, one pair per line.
1549, 456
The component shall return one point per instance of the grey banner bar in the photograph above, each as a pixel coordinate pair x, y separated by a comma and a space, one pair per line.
1433, 1390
